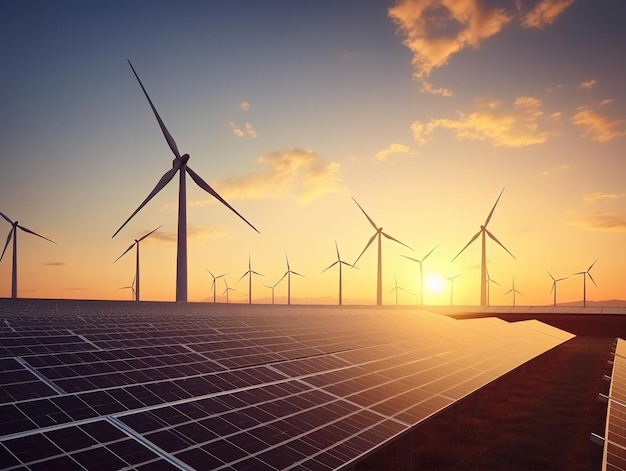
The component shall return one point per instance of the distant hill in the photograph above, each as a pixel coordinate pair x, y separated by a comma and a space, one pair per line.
607, 303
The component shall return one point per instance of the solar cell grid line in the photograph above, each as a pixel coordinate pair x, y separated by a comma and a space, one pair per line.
614, 451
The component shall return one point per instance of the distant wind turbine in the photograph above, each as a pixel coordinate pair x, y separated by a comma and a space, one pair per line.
250, 272
396, 288
483, 266
514, 291
213, 283
137, 258
451, 280
179, 164
554, 282
586, 274
490, 280
13, 234
227, 290
132, 288
421, 285
272, 288
338, 262
377, 234
288, 275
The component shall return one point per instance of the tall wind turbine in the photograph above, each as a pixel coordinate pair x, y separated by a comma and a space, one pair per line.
272, 288
514, 291
554, 282
483, 266
179, 164
451, 280
338, 262
586, 274
213, 283
250, 272
377, 234
13, 234
133, 294
288, 275
137, 259
421, 285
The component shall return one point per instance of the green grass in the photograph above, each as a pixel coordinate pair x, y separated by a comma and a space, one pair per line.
536, 418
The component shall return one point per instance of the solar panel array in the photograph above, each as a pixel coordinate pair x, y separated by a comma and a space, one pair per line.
614, 457
159, 386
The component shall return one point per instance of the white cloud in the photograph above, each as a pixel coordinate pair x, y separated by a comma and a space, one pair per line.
588, 84
544, 13
244, 106
597, 126
391, 150
246, 131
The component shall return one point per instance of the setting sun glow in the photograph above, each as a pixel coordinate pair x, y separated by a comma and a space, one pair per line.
434, 283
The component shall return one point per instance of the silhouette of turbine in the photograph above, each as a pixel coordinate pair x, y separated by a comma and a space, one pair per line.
133, 292
288, 275
490, 280
554, 282
137, 259
586, 274
421, 285
250, 272
227, 290
483, 266
179, 164
396, 288
451, 280
338, 262
13, 234
213, 283
514, 291
272, 288
377, 234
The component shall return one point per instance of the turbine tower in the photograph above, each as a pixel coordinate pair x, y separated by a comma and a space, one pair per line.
136, 290
272, 288
250, 272
288, 275
421, 285
586, 274
377, 234
338, 262
554, 282
179, 164
451, 280
213, 283
13, 234
483, 266
514, 291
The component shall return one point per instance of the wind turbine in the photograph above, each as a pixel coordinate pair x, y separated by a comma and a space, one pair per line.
421, 285
396, 288
227, 290
514, 291
272, 288
13, 233
377, 234
288, 275
213, 283
137, 258
554, 282
179, 164
585, 274
338, 262
451, 280
490, 280
483, 266
250, 272
133, 292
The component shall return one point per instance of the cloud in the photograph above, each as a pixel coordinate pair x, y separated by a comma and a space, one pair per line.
598, 196
296, 172
244, 106
247, 130
607, 221
392, 149
588, 84
192, 233
516, 127
544, 13
558, 168
598, 127
54, 264
435, 30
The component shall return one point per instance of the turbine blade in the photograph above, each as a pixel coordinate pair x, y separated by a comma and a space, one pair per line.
7, 243
296, 273
209, 272
499, 243
395, 240
165, 179
166, 133
150, 233
411, 258
126, 251
492, 209
205, 186
337, 247
467, 245
591, 278
591, 266
426, 256
368, 244
550, 275
368, 218
7, 219
330, 266
34, 233
257, 273
552, 288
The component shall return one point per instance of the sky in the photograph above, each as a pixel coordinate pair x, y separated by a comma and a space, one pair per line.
422, 111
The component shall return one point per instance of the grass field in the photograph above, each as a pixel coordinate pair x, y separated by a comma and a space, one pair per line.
536, 418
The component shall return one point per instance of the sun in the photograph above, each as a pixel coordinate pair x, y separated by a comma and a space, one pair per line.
434, 283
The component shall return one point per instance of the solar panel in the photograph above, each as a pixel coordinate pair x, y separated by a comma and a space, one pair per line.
227, 387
